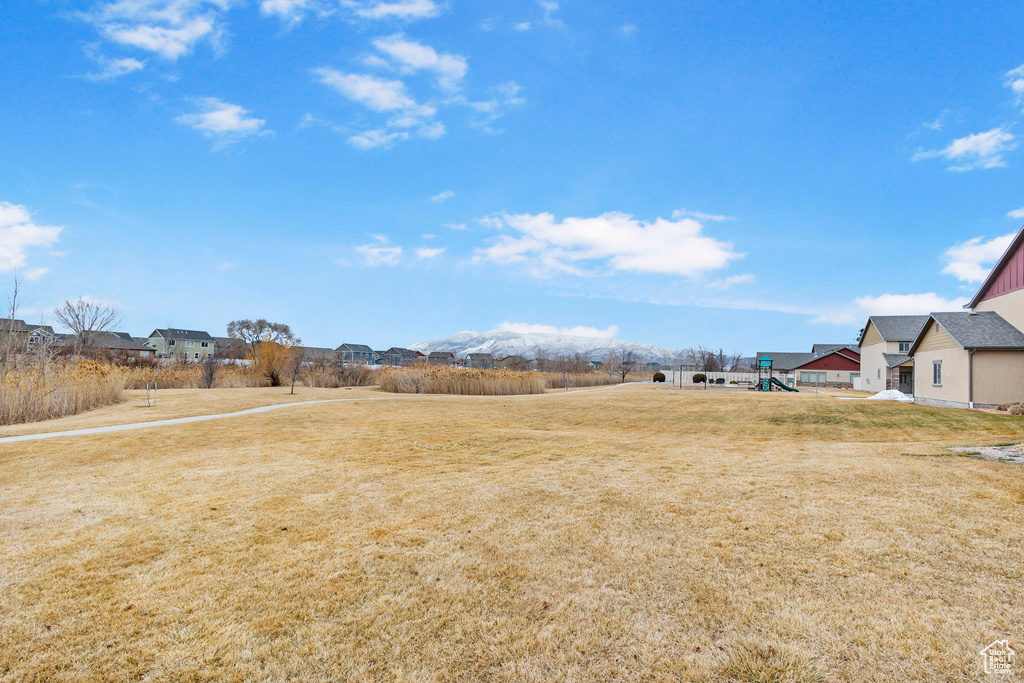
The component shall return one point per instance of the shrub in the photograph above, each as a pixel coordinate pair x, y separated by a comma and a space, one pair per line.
700, 378
734, 382
1017, 409
659, 377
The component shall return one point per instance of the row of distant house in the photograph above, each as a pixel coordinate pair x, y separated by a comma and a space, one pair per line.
970, 358
199, 345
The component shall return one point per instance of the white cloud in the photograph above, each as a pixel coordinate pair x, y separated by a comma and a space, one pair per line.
1015, 82
977, 151
550, 7
523, 26
890, 304
222, 121
727, 282
972, 260
291, 11
376, 138
34, 274
380, 252
456, 226
545, 246
112, 68
442, 197
429, 252
428, 236
1016, 213
168, 28
579, 331
399, 9
700, 215
18, 234
411, 57
378, 94
628, 30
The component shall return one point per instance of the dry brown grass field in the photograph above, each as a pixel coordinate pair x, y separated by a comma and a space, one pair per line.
629, 534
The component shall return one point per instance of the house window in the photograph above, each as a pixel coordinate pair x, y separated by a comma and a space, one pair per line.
205, 344
190, 343
170, 342
937, 373
904, 347
813, 377
197, 355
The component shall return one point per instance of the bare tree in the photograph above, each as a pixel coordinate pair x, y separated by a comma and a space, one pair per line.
209, 371
543, 359
261, 331
625, 360
9, 342
298, 359
88, 320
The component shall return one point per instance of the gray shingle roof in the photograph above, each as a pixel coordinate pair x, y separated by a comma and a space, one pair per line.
441, 354
355, 348
172, 333
894, 359
897, 328
481, 356
13, 324
825, 349
318, 353
784, 360
982, 330
112, 340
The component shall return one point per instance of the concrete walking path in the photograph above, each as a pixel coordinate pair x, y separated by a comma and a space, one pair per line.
266, 409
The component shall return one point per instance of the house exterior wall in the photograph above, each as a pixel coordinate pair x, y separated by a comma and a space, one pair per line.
874, 371
937, 345
1009, 280
837, 371
181, 348
1009, 305
998, 377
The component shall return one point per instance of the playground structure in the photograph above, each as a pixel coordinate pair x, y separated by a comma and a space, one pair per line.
766, 380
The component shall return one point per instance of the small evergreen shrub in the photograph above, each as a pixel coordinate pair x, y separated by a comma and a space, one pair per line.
659, 377
700, 378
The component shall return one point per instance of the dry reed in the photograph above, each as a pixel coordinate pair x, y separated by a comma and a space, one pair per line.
31, 393
189, 376
442, 379
334, 377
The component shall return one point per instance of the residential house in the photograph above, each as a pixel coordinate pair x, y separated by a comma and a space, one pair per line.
356, 354
399, 356
884, 345
318, 355
483, 361
230, 348
512, 363
975, 358
115, 346
189, 345
967, 360
25, 336
441, 358
785, 363
837, 368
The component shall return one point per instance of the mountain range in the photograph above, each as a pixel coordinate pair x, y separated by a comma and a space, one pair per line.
528, 344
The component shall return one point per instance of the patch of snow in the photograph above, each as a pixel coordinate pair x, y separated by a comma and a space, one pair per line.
891, 395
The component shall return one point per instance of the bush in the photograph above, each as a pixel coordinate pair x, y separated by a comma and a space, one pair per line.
700, 378
734, 382
659, 377
1017, 409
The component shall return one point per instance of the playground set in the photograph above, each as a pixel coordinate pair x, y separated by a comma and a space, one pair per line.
765, 380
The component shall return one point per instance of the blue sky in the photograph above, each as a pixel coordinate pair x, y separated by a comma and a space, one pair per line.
744, 175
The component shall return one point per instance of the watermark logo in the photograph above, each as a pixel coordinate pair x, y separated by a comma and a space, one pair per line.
998, 657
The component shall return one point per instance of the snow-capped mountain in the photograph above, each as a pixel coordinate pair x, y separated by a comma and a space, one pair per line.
527, 344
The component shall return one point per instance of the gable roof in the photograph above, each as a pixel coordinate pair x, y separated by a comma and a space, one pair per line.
825, 349
787, 361
442, 354
894, 359
172, 333
355, 348
997, 270
112, 340
317, 353
983, 330
897, 328
816, 357
481, 356
13, 324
